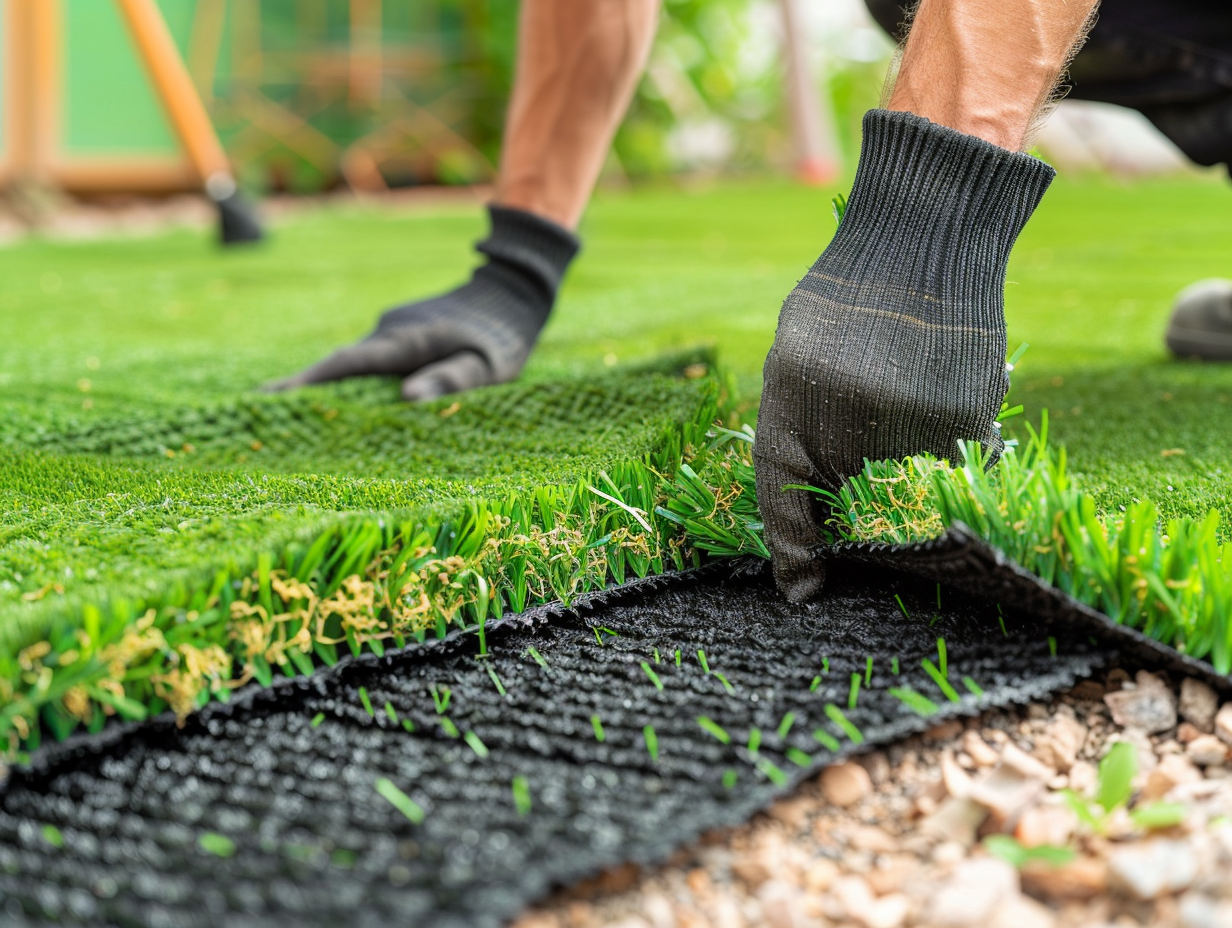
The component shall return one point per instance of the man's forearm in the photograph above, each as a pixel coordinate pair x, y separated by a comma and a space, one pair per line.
578, 65
988, 67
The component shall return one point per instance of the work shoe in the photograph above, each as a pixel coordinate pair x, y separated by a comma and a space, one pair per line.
1201, 323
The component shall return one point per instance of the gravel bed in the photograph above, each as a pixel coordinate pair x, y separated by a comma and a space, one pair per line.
899, 837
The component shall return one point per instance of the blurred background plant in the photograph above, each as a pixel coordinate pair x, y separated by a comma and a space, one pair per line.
316, 92
312, 95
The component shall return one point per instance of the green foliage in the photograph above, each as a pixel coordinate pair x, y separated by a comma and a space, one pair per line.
1013, 852
1113, 792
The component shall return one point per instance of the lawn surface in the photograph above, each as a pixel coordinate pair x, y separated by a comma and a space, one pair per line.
132, 446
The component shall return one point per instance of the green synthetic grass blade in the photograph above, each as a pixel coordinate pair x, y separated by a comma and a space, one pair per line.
854, 693
816, 683
915, 701
713, 728
972, 687
400, 801
942, 683
785, 726
826, 740
521, 795
448, 726
798, 757
476, 745
652, 742
898, 599
52, 835
496, 681
216, 844
894, 666
836, 716
701, 659
317, 719
754, 743
539, 658
391, 713
942, 662
730, 779
731, 690
654, 677
868, 671
597, 725
363, 698
771, 771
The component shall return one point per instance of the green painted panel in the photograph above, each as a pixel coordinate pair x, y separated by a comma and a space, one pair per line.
110, 107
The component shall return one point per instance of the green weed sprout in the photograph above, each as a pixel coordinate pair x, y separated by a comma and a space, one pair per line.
1114, 788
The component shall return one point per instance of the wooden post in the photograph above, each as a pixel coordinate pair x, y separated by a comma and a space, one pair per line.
34, 29
812, 119
171, 80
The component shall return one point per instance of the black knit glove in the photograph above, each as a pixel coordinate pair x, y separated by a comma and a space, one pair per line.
894, 342
476, 335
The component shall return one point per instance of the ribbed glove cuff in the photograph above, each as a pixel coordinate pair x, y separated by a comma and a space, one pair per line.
938, 194
536, 248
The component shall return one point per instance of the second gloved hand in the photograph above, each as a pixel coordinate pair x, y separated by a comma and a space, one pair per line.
894, 342
477, 335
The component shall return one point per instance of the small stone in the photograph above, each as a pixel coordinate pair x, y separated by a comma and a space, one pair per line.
1022, 912
1046, 825
1026, 766
1088, 691
972, 893
949, 853
956, 820
1207, 751
876, 765
658, 910
852, 894
1082, 777
845, 784
978, 750
820, 875
791, 812
1058, 747
1148, 706
1198, 704
1006, 795
1150, 869
956, 780
944, 731
891, 872
1081, 878
782, 905
874, 839
887, 912
1186, 732
1201, 911
1223, 723
1172, 771
750, 870
699, 882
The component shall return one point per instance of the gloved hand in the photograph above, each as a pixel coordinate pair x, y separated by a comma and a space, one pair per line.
894, 342
476, 335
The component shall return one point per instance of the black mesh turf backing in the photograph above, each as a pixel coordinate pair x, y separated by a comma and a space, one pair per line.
316, 845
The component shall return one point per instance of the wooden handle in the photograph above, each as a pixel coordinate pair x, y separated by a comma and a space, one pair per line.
175, 87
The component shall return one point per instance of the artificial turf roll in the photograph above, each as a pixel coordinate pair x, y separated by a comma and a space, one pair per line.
311, 803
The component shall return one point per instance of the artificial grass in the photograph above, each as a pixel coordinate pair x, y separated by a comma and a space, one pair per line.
117, 353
